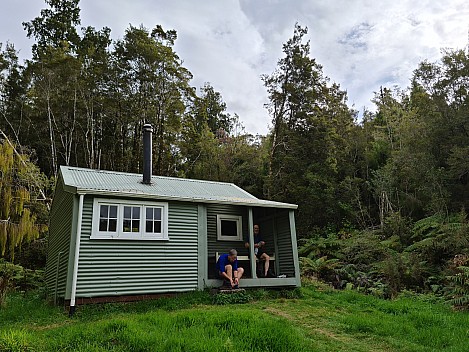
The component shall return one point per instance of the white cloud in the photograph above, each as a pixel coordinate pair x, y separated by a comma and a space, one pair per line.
361, 44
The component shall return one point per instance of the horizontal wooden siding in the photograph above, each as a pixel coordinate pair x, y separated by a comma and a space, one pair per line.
284, 245
60, 228
132, 267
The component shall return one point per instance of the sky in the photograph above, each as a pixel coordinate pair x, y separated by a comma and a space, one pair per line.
361, 44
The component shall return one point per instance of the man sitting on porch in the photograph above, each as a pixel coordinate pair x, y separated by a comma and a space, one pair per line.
228, 270
258, 249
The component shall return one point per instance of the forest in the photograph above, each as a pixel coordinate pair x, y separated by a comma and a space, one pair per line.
382, 195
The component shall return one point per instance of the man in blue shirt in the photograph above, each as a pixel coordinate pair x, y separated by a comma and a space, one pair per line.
259, 249
227, 266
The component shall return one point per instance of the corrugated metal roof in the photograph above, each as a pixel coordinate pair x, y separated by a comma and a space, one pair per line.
103, 182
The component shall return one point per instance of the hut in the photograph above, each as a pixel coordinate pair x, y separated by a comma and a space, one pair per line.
118, 236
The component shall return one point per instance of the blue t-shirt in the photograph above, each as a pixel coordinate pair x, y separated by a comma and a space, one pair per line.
224, 261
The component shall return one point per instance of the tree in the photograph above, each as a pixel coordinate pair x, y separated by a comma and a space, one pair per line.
54, 73
21, 185
55, 27
310, 123
149, 85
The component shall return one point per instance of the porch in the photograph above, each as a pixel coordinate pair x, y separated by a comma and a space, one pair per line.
277, 229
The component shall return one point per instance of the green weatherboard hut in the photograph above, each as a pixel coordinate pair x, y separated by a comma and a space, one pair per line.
115, 237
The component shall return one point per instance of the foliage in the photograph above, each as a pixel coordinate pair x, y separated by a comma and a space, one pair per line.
321, 268
232, 298
310, 125
458, 291
15, 277
20, 185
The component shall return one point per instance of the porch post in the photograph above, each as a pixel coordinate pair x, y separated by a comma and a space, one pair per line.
252, 257
294, 247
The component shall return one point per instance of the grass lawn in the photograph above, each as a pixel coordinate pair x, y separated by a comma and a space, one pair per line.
310, 319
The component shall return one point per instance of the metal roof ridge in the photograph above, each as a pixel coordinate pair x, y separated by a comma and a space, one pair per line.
156, 176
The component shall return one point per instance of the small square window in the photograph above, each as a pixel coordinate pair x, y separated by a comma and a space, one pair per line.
229, 227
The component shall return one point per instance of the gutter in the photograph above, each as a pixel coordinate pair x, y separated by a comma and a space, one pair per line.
77, 254
133, 194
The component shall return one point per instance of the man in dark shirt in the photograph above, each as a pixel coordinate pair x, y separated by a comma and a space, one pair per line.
227, 266
259, 249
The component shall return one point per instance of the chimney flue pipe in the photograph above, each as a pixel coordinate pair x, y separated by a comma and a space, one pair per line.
147, 153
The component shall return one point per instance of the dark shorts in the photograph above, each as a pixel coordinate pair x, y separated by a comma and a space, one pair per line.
259, 253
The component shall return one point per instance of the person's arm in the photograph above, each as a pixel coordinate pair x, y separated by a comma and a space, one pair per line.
256, 245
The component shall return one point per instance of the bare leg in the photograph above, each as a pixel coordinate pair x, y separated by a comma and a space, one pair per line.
239, 274
266, 264
229, 272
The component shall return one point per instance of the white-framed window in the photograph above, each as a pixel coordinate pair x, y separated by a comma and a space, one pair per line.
229, 227
129, 220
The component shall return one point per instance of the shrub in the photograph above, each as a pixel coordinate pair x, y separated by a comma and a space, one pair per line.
239, 297
15, 277
458, 291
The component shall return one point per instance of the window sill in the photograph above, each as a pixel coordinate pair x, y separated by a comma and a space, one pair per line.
128, 238
230, 239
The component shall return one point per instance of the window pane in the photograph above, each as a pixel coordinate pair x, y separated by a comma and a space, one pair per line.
127, 212
135, 213
112, 225
149, 213
229, 228
103, 212
157, 225
157, 213
135, 225
103, 225
113, 211
126, 225
149, 226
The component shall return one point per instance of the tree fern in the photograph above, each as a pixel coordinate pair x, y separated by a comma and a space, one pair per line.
459, 290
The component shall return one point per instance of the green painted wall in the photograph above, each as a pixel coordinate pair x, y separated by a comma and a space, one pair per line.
284, 244
128, 267
60, 233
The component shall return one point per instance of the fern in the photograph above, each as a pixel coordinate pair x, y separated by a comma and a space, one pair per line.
459, 291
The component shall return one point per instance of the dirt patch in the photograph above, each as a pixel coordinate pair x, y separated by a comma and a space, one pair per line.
50, 326
279, 313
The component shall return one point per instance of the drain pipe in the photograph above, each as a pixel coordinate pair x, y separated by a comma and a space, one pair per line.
77, 253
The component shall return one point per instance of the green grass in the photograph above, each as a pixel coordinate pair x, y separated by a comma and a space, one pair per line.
312, 319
